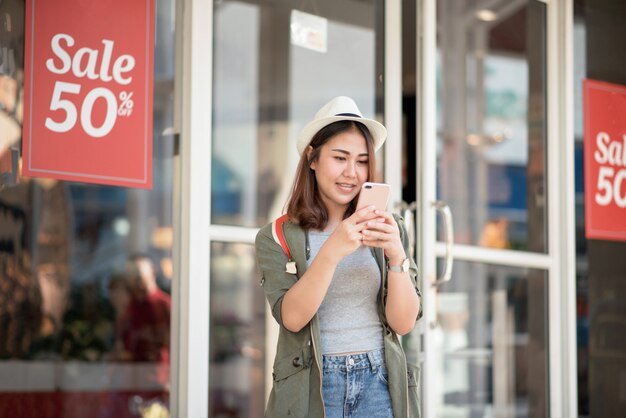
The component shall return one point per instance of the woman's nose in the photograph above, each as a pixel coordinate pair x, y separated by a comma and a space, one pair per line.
350, 169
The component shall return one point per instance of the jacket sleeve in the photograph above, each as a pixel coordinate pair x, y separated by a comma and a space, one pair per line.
413, 270
275, 281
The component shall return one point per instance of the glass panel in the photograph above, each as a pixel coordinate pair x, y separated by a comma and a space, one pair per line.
491, 342
84, 328
235, 177
491, 121
268, 84
351, 65
237, 329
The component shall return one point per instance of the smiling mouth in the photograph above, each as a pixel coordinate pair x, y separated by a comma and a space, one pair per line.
346, 186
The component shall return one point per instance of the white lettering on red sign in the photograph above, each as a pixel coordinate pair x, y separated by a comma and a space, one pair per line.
84, 63
612, 172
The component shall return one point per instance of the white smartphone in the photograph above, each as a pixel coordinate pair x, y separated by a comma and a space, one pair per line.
376, 194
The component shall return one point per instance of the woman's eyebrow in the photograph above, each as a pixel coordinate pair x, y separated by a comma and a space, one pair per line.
343, 151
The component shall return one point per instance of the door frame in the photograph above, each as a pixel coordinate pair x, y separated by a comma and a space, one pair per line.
190, 313
189, 359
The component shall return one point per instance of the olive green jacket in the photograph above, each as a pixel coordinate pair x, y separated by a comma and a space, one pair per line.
297, 388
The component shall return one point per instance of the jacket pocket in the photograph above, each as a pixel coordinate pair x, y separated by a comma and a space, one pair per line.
413, 379
290, 391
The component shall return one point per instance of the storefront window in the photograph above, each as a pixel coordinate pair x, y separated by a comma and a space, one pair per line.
600, 263
268, 83
492, 336
491, 122
85, 269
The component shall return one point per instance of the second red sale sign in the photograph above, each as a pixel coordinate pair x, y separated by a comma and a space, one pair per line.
605, 161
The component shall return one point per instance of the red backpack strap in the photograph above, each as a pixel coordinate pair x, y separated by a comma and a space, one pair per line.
279, 237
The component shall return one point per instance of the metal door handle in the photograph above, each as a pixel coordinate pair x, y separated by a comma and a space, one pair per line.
449, 240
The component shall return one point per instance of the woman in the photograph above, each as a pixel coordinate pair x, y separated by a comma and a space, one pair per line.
338, 352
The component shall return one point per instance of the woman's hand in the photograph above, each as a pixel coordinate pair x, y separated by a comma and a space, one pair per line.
383, 232
348, 235
403, 303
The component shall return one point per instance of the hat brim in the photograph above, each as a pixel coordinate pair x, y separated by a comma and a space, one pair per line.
377, 130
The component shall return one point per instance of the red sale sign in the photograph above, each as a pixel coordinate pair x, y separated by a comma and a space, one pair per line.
605, 160
88, 91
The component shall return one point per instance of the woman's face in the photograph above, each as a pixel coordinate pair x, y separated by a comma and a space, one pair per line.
341, 169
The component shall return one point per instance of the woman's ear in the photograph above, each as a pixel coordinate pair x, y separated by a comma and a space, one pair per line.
309, 152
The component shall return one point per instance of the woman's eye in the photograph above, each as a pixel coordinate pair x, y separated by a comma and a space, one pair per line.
339, 158
363, 162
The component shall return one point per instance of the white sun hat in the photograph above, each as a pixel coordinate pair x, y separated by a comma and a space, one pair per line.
340, 108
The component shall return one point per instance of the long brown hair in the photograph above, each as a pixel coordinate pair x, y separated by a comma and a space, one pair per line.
305, 207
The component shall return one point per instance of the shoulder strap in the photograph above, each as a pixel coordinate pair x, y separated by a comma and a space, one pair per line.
279, 237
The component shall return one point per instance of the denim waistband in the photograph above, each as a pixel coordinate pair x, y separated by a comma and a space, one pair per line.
368, 360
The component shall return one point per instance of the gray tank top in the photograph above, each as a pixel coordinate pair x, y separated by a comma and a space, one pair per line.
348, 315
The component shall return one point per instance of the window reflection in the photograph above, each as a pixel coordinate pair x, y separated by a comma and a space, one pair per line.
85, 270
237, 332
491, 122
76, 310
235, 113
492, 342
267, 86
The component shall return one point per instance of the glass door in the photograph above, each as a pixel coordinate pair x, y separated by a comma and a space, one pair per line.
481, 129
274, 65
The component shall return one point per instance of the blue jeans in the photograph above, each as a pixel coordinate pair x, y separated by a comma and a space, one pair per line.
355, 386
